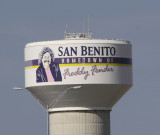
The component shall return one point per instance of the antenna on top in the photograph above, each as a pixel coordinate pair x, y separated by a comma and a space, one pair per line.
89, 33
66, 31
88, 25
69, 35
83, 27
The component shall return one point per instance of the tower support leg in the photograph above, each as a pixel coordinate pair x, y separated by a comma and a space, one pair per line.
83, 122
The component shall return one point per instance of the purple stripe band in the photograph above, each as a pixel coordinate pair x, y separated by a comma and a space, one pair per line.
70, 60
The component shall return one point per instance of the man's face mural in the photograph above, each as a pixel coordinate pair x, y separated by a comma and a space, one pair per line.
46, 60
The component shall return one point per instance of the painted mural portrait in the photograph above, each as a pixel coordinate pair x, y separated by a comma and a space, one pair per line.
48, 70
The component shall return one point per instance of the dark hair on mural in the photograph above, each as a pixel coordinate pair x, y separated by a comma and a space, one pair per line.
44, 50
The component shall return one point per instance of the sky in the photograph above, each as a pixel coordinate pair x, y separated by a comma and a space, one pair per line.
24, 21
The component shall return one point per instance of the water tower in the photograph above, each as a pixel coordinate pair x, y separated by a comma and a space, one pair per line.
78, 80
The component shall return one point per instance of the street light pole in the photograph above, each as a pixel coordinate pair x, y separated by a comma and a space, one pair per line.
56, 101
48, 130
47, 106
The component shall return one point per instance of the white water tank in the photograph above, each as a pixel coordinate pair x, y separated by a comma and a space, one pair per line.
103, 69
